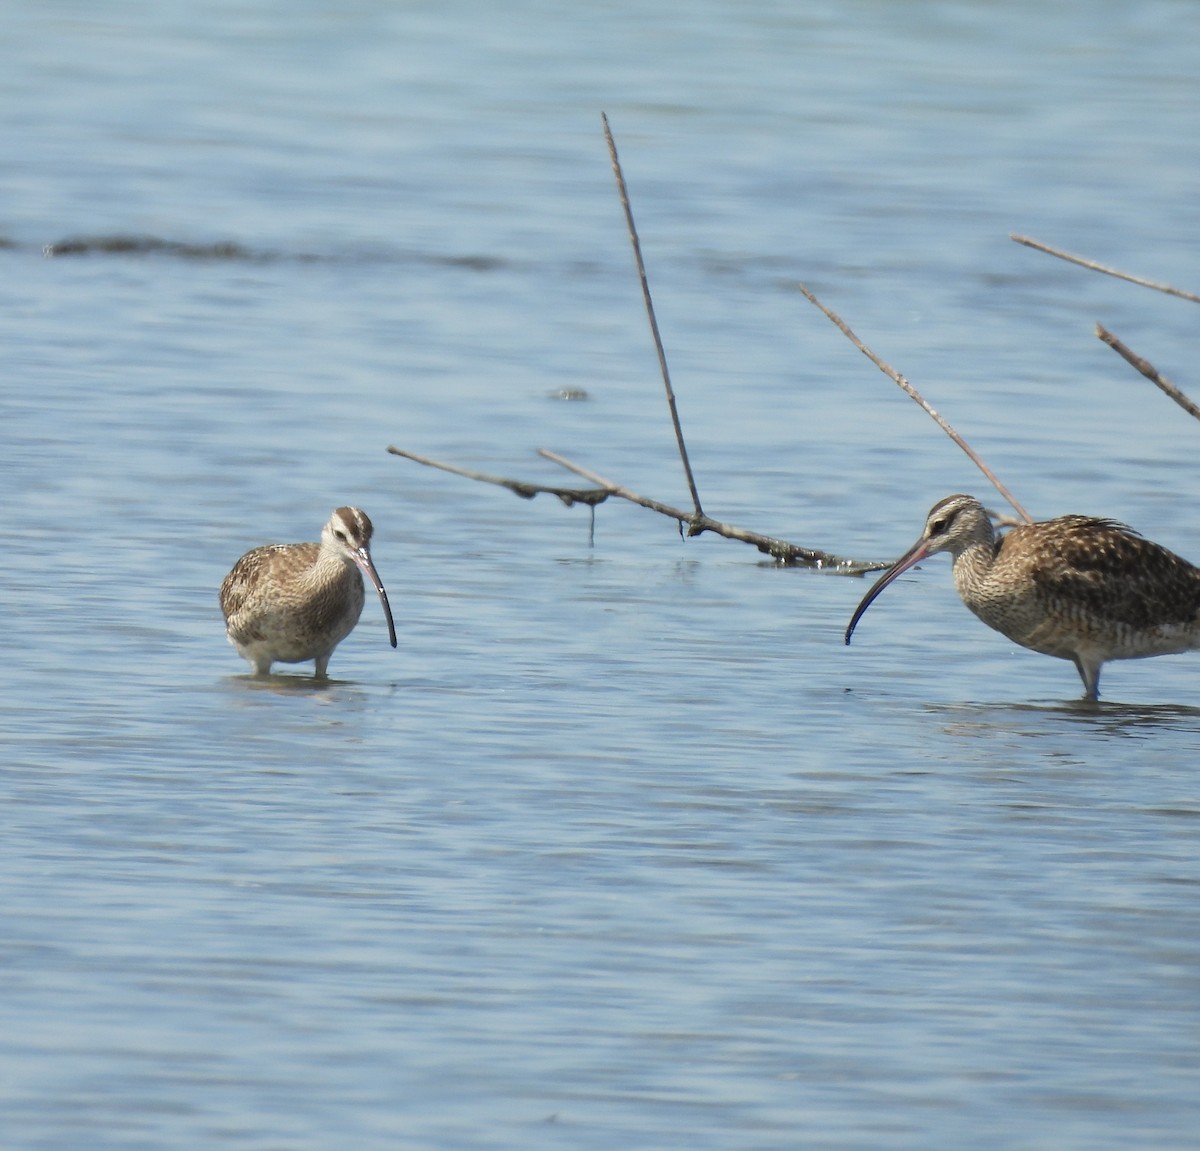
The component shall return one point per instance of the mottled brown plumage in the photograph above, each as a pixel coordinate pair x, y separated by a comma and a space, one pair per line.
1088, 590
289, 603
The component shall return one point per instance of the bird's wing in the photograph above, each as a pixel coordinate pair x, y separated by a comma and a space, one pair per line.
1107, 568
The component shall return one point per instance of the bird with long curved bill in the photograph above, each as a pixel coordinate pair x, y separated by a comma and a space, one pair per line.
289, 603
1078, 588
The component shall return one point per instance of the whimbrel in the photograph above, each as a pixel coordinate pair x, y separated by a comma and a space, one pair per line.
1078, 588
289, 603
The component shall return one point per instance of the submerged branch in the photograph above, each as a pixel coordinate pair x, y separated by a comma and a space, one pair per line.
691, 523
897, 378
1095, 267
781, 550
569, 496
1149, 371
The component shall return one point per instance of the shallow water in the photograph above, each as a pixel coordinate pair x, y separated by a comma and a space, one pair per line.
622, 847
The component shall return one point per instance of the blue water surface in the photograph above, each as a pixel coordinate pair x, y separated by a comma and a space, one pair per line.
622, 848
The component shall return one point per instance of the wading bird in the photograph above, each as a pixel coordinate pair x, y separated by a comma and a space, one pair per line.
289, 603
1088, 590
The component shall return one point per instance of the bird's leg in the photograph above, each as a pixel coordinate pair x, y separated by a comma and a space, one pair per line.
1089, 672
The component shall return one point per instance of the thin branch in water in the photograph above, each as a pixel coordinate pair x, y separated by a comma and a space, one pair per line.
691, 523
897, 378
1149, 371
612, 488
658, 344
780, 550
569, 496
1085, 263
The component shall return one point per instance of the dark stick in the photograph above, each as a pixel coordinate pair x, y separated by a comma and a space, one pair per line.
942, 423
1149, 371
781, 550
658, 344
1083, 263
569, 496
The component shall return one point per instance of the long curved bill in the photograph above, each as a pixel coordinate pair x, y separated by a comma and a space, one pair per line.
362, 557
914, 555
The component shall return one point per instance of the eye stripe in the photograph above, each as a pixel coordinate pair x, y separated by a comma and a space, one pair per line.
356, 527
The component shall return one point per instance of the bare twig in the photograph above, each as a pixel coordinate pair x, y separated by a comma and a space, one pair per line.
569, 496
781, 550
658, 344
688, 519
696, 521
1149, 371
897, 378
1084, 263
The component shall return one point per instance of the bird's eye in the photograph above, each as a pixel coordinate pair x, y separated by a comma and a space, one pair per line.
339, 536
939, 526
